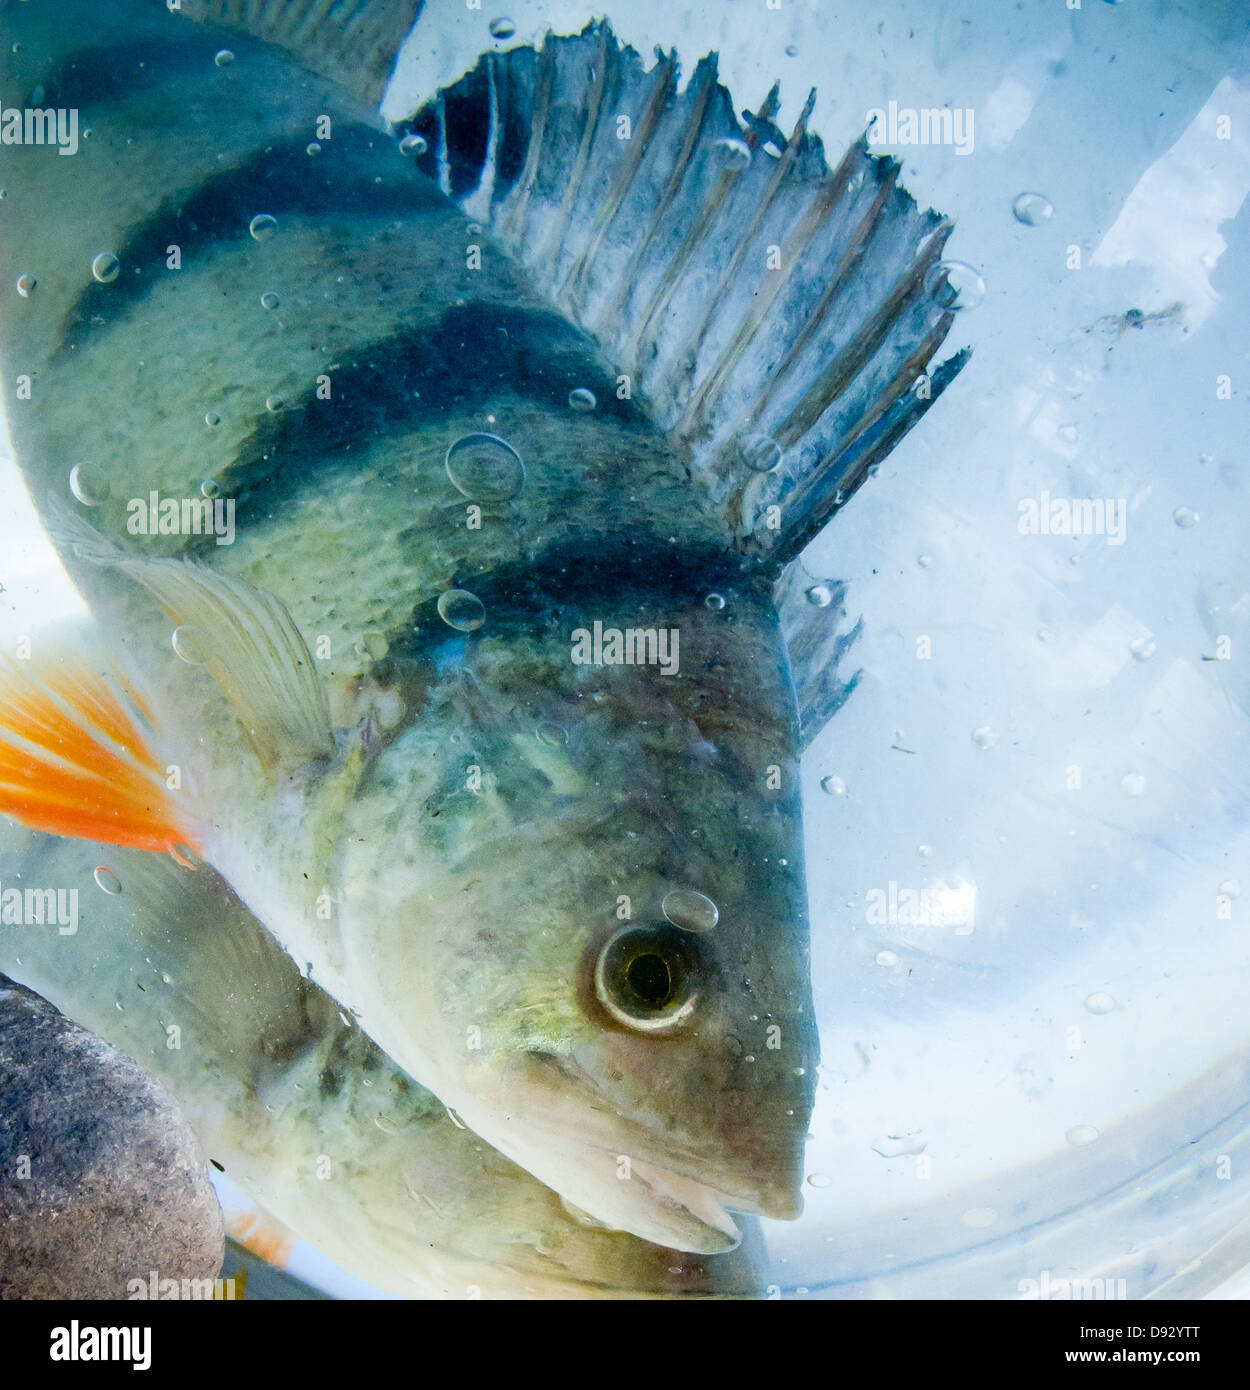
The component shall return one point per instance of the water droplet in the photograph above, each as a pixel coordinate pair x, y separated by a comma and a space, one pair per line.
312, 148
979, 1217
274, 403
263, 226
1081, 1134
89, 484
26, 285
582, 399
886, 958
689, 910
413, 145
1185, 517
732, 154
759, 453
212, 420
462, 610
955, 285
107, 880
210, 488
485, 468
820, 596
1099, 1003
819, 1180
984, 737
1067, 434
1133, 783
1143, 648
835, 786
715, 602
1033, 209
1230, 888
502, 28
551, 735
186, 641
106, 267
269, 300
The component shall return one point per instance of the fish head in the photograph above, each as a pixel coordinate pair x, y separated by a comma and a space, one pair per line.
595, 924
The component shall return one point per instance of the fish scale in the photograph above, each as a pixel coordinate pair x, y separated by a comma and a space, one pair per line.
463, 831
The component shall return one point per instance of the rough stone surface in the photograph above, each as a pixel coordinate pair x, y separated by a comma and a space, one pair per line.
116, 1186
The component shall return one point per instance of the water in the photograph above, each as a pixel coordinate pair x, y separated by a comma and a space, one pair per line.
1087, 791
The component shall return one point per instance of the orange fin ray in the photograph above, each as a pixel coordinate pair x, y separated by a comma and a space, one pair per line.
75, 762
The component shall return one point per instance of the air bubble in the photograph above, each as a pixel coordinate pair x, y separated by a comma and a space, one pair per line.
312, 149
462, 610
980, 1217
212, 420
1067, 434
1143, 648
223, 58
1033, 209
1185, 517
715, 602
886, 958
107, 880
187, 644
819, 1180
1230, 888
210, 488
88, 483
732, 154
269, 300
413, 145
689, 910
582, 399
925, 850
984, 737
924, 561
26, 285
502, 28
551, 735
1133, 783
955, 285
1081, 1134
274, 404
485, 468
835, 786
759, 453
1099, 1003
106, 267
820, 596
262, 226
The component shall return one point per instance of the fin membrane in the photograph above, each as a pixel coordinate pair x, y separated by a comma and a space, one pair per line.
761, 302
809, 610
243, 636
352, 42
74, 762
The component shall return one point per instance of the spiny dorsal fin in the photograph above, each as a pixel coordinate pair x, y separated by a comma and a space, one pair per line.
810, 610
758, 304
352, 42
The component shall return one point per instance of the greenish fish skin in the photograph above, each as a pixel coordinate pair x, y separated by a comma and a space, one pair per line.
462, 923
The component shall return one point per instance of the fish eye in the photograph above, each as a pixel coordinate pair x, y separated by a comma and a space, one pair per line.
647, 977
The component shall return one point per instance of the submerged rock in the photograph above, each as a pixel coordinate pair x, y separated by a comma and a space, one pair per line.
101, 1179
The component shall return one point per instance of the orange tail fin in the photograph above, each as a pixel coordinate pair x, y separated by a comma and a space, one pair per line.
74, 762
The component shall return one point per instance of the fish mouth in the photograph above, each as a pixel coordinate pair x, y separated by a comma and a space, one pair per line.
625, 1175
